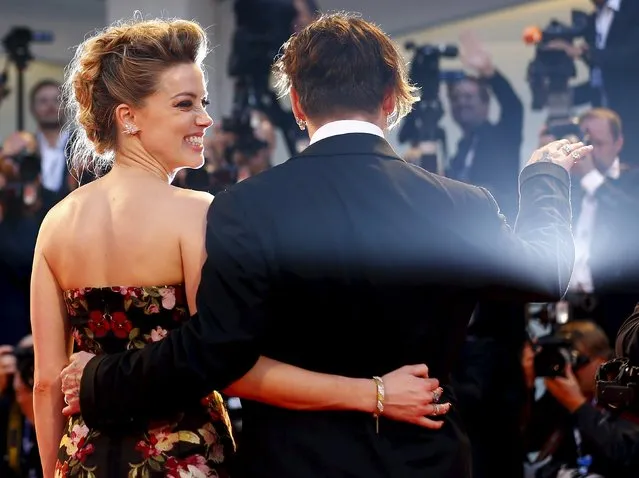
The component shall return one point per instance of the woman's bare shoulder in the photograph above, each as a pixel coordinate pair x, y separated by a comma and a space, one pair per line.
190, 198
58, 217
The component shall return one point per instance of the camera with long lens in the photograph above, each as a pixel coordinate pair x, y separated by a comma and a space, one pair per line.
554, 353
550, 71
617, 385
421, 126
552, 314
566, 128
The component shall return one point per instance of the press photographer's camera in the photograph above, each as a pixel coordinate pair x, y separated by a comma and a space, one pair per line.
425, 68
550, 70
554, 353
618, 385
421, 126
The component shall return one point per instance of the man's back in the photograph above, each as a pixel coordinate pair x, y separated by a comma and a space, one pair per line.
373, 264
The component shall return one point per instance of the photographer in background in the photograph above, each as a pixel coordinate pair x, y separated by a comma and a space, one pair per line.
605, 199
488, 153
52, 142
566, 426
20, 217
19, 457
611, 51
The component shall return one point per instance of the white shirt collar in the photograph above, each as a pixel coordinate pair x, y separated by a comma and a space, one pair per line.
345, 127
614, 5
615, 170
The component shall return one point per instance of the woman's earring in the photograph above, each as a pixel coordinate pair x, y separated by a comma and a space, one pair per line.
130, 129
301, 123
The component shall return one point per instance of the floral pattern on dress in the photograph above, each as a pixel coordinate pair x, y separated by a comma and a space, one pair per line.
195, 444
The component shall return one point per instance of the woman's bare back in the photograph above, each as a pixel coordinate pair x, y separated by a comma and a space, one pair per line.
127, 228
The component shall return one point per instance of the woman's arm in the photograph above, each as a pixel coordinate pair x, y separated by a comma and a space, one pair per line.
409, 394
51, 337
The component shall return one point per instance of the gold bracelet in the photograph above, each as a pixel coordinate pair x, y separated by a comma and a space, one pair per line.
379, 407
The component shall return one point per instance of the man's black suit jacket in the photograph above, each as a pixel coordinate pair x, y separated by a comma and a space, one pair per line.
344, 260
496, 149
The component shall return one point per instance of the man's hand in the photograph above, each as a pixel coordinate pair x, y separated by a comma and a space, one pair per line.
566, 390
411, 396
562, 152
474, 55
71, 376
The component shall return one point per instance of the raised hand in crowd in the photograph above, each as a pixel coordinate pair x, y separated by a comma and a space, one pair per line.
474, 55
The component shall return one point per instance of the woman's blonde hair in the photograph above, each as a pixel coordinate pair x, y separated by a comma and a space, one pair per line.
121, 64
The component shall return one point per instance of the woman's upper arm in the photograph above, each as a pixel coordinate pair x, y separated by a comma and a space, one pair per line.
192, 246
49, 324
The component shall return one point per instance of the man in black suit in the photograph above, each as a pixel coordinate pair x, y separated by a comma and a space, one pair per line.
52, 139
605, 199
344, 260
487, 153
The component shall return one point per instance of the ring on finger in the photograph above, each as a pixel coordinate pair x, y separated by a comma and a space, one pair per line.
437, 394
567, 149
436, 409
576, 155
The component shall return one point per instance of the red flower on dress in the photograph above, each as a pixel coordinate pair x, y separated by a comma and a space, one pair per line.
148, 448
61, 469
98, 323
120, 325
194, 465
84, 451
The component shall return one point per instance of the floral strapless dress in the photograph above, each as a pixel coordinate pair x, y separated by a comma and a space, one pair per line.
197, 443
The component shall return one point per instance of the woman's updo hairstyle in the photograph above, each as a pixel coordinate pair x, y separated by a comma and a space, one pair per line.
121, 64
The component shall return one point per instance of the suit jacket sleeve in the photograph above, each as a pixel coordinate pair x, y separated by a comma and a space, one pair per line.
534, 262
213, 349
511, 121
